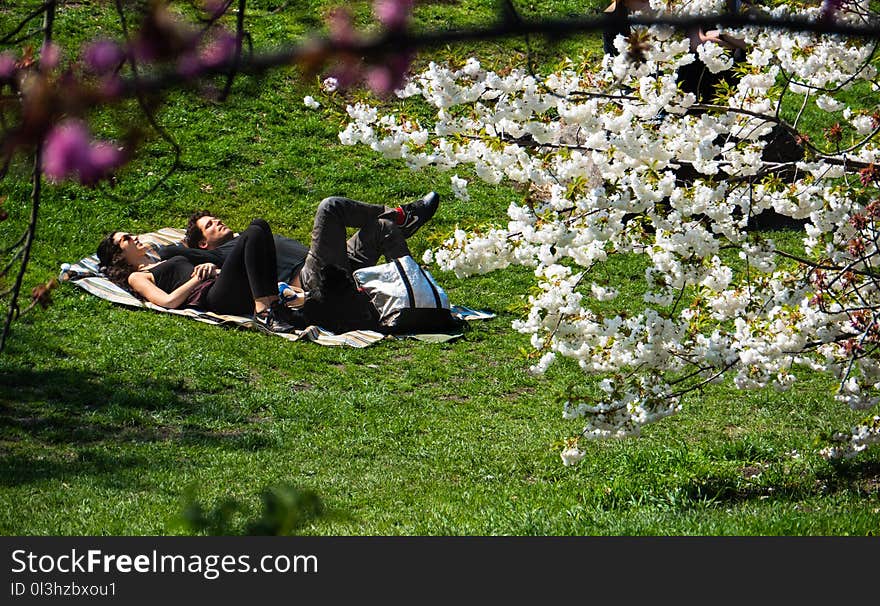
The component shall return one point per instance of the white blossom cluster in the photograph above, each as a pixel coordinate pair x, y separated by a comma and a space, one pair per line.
620, 161
859, 439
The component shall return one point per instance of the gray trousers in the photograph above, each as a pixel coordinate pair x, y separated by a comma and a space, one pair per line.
376, 236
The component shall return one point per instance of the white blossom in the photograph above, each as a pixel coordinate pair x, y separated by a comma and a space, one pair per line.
829, 104
572, 456
602, 293
863, 124
716, 58
459, 188
646, 175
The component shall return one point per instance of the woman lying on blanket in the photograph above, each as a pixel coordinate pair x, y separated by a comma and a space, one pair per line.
246, 285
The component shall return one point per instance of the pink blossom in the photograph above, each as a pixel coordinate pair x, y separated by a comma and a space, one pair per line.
67, 146
347, 73
7, 65
50, 56
385, 79
70, 151
379, 80
188, 65
102, 159
393, 14
163, 36
215, 8
102, 56
340, 25
220, 50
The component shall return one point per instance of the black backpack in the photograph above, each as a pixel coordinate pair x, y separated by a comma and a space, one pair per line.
338, 305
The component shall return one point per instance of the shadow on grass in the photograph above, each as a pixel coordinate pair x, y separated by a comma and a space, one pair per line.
45, 415
729, 491
860, 478
757, 474
17, 469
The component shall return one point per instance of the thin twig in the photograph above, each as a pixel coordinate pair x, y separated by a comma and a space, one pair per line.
48, 22
236, 60
7, 39
139, 94
18, 254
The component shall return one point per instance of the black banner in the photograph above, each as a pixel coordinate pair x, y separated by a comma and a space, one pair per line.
241, 570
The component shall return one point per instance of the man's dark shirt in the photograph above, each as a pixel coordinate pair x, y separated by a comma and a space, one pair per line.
289, 255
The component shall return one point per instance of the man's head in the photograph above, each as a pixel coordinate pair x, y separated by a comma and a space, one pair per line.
204, 230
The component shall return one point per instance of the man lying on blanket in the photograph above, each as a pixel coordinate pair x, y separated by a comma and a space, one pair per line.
382, 231
209, 240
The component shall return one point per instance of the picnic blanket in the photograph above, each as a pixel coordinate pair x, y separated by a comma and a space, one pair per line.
86, 275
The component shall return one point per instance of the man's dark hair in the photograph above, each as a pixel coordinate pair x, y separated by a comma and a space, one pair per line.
194, 234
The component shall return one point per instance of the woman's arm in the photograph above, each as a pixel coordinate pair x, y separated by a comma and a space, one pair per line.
143, 284
194, 255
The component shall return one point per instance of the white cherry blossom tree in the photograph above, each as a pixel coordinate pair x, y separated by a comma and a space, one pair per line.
629, 158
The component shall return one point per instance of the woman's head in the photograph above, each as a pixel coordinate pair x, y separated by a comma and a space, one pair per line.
119, 253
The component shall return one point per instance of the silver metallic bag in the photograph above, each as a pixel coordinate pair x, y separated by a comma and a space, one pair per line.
400, 285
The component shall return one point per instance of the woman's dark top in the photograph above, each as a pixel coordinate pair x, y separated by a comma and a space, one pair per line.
170, 274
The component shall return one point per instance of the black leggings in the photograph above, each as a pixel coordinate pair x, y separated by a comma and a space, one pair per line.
248, 272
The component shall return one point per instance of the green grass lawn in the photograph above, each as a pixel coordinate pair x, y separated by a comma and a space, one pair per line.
112, 419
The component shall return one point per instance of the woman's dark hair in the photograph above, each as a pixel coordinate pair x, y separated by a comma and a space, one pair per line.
113, 263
